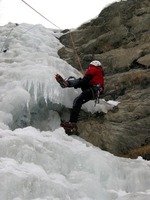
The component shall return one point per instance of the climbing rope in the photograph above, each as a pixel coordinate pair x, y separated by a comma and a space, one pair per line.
7, 38
75, 52
26, 31
72, 41
40, 14
4, 50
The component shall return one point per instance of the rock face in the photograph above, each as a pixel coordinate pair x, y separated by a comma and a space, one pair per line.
120, 38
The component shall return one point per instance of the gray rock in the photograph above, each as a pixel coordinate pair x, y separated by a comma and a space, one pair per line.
120, 38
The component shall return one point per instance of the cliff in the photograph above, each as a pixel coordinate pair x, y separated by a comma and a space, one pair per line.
120, 38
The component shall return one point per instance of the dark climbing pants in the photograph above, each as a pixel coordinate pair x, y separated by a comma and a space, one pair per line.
84, 97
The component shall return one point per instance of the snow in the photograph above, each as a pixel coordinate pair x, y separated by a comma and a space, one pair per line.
38, 161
